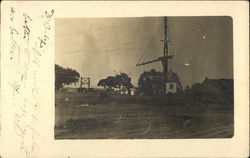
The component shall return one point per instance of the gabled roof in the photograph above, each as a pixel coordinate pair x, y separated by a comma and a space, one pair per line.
217, 85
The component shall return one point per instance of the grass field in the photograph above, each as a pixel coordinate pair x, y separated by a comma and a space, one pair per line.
77, 116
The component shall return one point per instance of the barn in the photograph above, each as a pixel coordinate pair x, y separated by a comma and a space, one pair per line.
217, 90
217, 86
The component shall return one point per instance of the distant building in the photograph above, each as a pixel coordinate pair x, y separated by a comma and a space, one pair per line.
217, 86
173, 83
133, 91
216, 91
171, 87
124, 91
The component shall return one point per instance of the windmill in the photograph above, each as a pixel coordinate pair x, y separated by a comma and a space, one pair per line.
165, 58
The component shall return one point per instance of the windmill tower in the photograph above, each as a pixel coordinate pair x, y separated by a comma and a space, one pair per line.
164, 59
85, 82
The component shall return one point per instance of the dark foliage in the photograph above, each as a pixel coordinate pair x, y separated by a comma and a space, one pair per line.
151, 83
65, 76
117, 81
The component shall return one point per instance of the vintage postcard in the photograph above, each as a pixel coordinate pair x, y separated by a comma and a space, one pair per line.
124, 79
144, 77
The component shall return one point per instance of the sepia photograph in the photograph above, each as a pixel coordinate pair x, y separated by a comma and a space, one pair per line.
126, 79
144, 78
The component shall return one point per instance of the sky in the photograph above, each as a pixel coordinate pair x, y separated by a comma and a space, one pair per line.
100, 47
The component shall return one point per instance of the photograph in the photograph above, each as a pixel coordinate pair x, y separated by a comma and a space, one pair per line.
144, 77
126, 79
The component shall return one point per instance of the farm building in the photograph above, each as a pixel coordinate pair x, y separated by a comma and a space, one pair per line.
124, 91
217, 90
217, 86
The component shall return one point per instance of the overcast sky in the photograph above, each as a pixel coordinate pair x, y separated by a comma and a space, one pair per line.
97, 47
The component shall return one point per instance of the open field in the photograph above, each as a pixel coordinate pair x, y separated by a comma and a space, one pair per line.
78, 116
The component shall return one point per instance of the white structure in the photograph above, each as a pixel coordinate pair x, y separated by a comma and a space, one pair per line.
171, 87
133, 91
124, 91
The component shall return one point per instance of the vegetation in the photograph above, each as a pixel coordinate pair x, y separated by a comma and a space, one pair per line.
118, 81
150, 83
65, 76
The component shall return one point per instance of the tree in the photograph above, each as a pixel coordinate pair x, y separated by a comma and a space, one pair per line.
65, 76
109, 82
117, 81
151, 83
123, 80
102, 83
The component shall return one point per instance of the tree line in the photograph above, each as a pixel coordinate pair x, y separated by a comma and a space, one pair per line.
65, 76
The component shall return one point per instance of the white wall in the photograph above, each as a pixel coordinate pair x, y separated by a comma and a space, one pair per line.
171, 87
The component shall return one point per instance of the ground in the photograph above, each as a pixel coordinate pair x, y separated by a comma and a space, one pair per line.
77, 116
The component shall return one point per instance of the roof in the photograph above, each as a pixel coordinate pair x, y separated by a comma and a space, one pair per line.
217, 85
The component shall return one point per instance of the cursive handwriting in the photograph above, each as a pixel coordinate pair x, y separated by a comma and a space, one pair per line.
26, 28
31, 47
12, 13
13, 44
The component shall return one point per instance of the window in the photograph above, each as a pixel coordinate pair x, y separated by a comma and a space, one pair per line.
171, 86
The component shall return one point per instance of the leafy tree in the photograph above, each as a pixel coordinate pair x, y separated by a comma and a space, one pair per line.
117, 81
102, 83
151, 83
123, 80
65, 76
111, 82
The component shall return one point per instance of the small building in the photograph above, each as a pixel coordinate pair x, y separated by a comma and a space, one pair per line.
133, 90
124, 91
217, 86
171, 87
217, 90
173, 83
